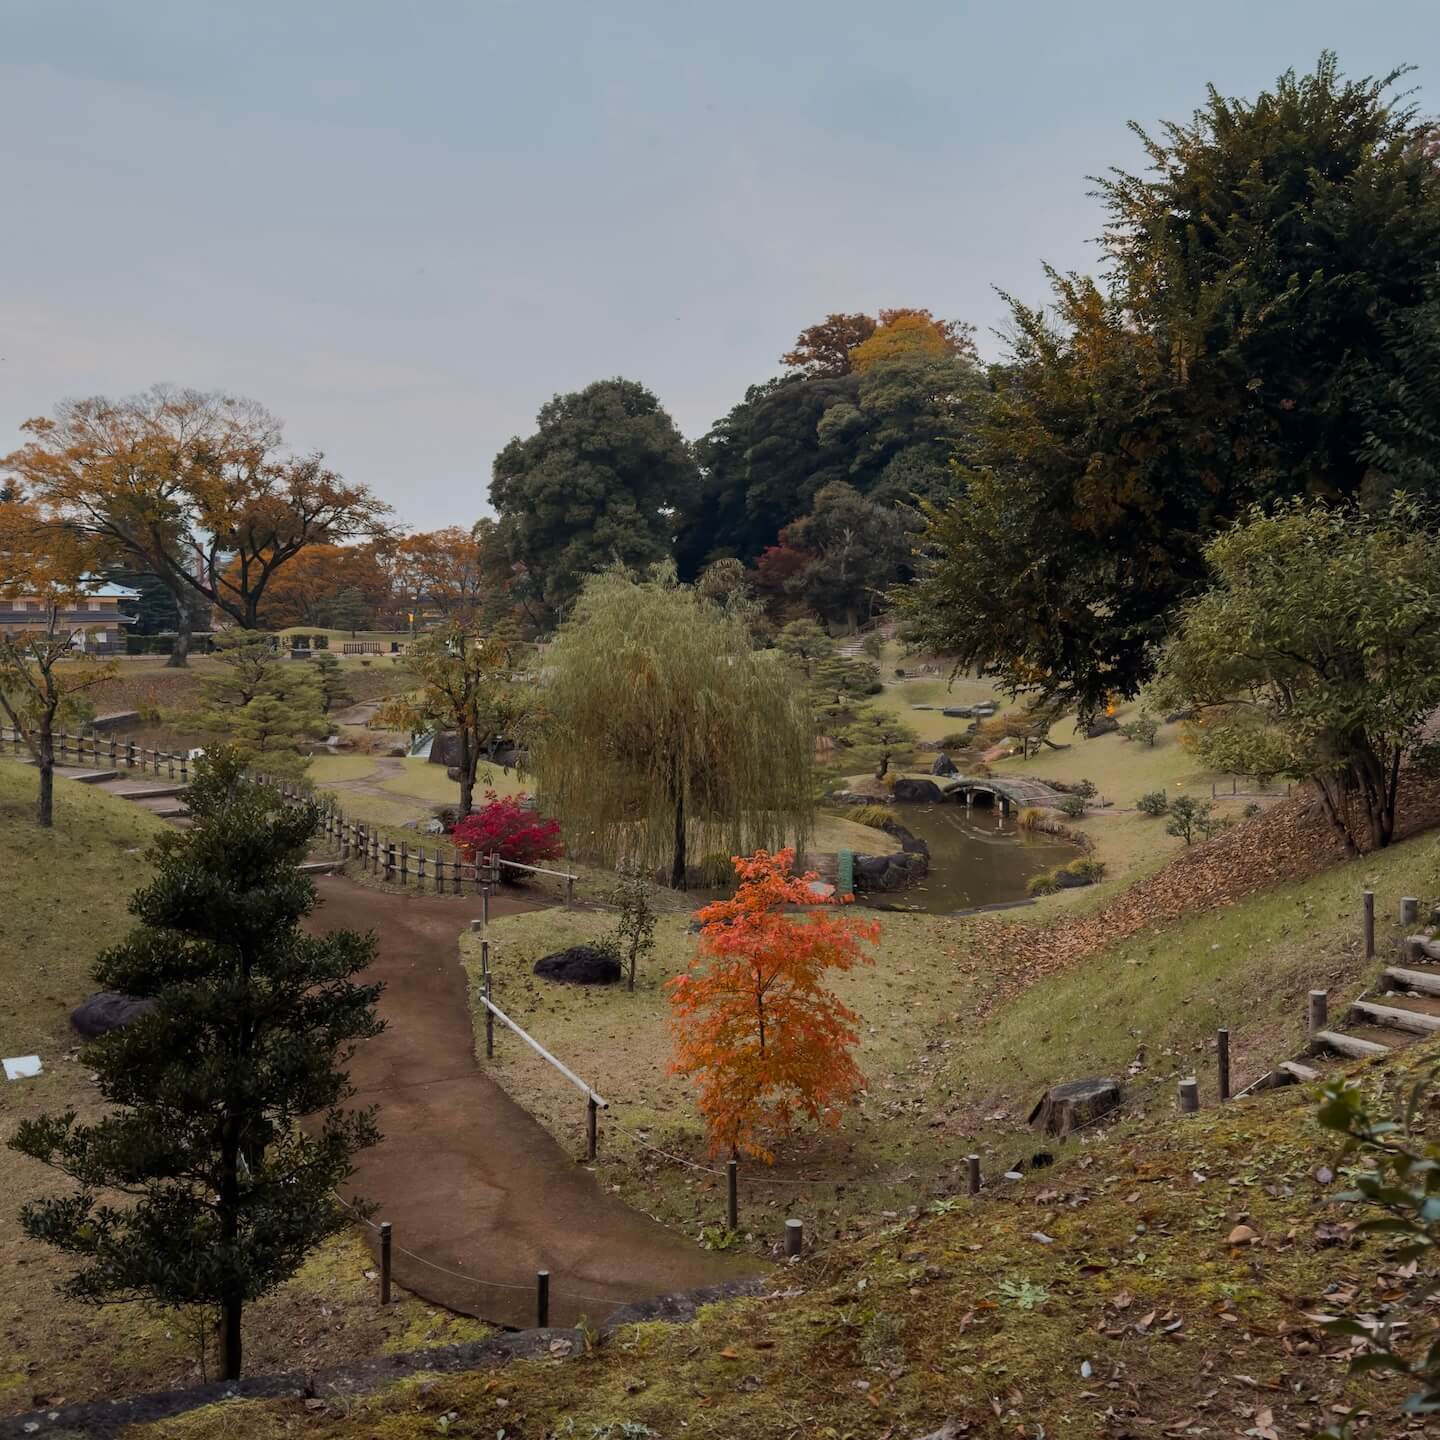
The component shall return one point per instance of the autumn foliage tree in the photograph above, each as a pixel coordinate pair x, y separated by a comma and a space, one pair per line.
43, 676
756, 1030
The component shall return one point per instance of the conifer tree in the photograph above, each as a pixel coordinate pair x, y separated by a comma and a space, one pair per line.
253, 1023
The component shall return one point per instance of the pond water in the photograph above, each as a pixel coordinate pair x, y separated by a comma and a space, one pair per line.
976, 858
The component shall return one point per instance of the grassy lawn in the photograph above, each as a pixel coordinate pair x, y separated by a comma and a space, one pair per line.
65, 893
884, 1154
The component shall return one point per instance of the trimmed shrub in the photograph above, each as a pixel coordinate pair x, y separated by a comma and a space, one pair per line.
1153, 802
1072, 806
956, 740
1142, 731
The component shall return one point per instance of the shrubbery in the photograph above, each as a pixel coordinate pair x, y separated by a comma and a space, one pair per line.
1072, 806
1142, 730
1153, 802
504, 826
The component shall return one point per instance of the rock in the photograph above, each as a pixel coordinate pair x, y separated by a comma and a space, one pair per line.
925, 792
452, 772
943, 765
1076, 1103
960, 712
1101, 725
107, 1010
1175, 716
433, 827
580, 965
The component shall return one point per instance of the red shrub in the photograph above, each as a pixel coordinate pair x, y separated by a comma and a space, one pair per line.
519, 835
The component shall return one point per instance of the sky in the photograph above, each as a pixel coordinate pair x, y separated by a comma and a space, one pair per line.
404, 227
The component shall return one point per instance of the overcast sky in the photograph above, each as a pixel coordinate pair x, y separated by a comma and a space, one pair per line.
403, 227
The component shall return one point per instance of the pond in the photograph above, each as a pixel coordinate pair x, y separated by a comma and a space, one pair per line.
977, 857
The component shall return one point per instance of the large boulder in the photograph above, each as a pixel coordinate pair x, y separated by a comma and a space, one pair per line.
1101, 725
914, 791
943, 765
107, 1010
580, 965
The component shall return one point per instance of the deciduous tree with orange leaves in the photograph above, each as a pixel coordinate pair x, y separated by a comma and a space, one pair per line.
756, 1030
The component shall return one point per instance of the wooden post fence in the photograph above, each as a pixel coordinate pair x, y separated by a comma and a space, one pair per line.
1222, 1062
1368, 896
384, 1262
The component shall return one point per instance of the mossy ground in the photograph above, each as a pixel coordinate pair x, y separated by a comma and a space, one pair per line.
65, 892
1110, 1295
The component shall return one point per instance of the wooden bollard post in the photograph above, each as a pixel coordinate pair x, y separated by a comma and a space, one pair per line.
569, 892
1189, 1096
592, 1126
1368, 897
794, 1237
1222, 1062
1317, 1011
484, 907
384, 1262
489, 1024
404, 862
1409, 910
732, 1195
972, 1174
542, 1298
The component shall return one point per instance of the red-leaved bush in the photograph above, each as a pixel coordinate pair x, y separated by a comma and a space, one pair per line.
518, 834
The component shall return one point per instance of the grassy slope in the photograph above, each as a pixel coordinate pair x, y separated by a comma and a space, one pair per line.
983, 1312
64, 896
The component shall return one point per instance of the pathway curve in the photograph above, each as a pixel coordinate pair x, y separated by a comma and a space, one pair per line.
469, 1179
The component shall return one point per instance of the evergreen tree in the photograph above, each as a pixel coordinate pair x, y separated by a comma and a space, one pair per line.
252, 1024
600, 480
330, 680
1266, 330
348, 610
264, 706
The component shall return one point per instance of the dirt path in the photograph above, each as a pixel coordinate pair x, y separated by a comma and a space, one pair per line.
468, 1179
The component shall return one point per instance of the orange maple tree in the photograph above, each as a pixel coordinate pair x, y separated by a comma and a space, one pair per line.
756, 1030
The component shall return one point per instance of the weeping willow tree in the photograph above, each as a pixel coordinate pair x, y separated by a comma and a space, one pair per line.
668, 732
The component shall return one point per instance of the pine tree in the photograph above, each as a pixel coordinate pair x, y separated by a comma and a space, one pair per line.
348, 610
330, 679
253, 1023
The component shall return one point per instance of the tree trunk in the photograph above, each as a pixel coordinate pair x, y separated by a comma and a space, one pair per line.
179, 658
45, 761
677, 868
1332, 813
231, 1302
469, 762
230, 1357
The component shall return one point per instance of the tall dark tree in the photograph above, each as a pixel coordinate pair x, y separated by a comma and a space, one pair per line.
600, 480
859, 549
253, 1022
1271, 284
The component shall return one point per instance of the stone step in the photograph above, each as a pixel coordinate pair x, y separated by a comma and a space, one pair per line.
321, 867
91, 777
1427, 981
1303, 1074
149, 792
1358, 1047
1414, 1015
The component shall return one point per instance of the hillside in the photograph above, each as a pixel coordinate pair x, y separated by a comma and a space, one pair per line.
1113, 1295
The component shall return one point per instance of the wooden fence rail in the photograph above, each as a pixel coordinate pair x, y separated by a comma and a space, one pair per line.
397, 861
107, 752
